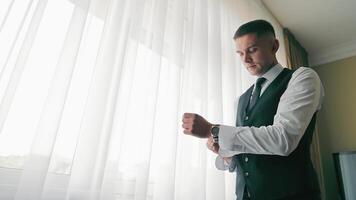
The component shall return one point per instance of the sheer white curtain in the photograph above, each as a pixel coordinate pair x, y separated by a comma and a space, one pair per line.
92, 93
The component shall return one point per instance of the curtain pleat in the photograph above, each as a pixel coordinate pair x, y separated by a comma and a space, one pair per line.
92, 106
21, 58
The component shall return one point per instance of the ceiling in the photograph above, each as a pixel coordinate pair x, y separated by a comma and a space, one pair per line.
325, 28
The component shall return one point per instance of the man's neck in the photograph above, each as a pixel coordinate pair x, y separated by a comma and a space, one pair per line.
268, 68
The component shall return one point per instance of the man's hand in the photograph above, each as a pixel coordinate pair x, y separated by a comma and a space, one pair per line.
214, 147
196, 125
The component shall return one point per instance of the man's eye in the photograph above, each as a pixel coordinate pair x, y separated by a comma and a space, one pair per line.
252, 49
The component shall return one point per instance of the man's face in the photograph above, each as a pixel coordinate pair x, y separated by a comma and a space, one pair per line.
257, 53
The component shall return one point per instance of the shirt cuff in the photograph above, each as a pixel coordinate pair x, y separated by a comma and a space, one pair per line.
222, 164
227, 141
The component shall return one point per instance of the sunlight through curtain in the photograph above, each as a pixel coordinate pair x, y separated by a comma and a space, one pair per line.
92, 93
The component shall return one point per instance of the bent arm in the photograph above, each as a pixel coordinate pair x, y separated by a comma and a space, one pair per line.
297, 106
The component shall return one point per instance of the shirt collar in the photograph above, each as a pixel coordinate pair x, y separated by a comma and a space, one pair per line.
272, 73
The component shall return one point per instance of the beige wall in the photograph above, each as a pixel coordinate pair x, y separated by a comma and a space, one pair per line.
337, 119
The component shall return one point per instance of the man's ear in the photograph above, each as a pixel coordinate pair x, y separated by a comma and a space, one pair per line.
275, 46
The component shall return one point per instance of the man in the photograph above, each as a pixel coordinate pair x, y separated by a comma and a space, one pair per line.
269, 147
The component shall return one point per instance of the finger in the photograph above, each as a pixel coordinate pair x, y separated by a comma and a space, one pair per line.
210, 139
209, 147
227, 159
188, 122
185, 120
188, 115
187, 126
210, 142
216, 147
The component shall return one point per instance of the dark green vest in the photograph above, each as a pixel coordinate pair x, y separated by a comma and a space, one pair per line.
270, 177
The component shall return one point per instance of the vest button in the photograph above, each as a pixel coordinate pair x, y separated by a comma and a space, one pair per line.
246, 159
246, 174
246, 118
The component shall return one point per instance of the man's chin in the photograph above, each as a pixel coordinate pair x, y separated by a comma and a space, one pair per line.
253, 72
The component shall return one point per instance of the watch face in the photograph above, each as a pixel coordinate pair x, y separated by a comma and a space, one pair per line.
215, 131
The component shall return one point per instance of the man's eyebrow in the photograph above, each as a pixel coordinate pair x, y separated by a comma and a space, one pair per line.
252, 45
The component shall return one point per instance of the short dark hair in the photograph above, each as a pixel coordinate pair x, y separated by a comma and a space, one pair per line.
259, 27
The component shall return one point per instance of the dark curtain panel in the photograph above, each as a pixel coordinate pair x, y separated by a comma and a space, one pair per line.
297, 56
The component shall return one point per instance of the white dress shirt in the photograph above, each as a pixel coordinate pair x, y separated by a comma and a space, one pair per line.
302, 98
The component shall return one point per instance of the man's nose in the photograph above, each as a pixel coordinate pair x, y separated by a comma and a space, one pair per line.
246, 58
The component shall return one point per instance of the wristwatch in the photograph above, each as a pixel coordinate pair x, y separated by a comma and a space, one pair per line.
215, 132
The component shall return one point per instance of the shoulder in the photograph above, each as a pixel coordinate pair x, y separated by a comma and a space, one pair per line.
306, 84
303, 74
306, 81
305, 71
